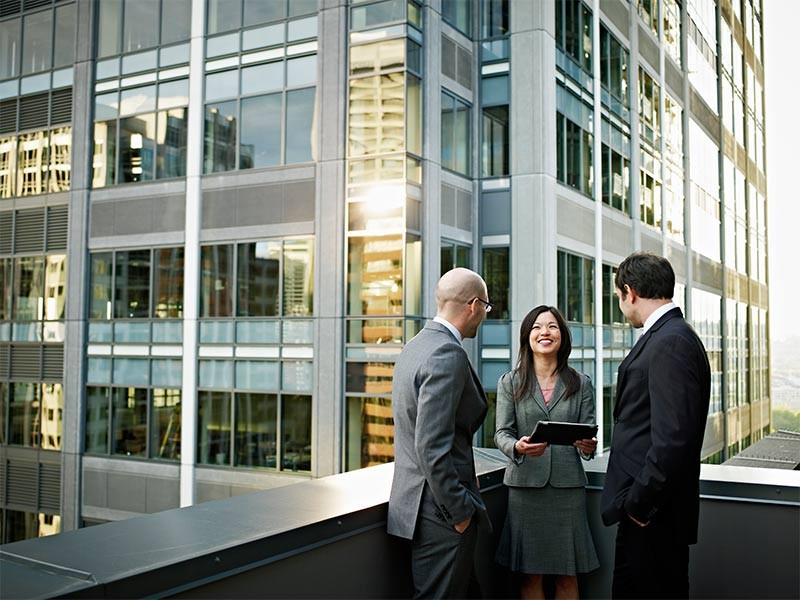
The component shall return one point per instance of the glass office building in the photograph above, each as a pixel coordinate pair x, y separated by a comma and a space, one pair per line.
220, 220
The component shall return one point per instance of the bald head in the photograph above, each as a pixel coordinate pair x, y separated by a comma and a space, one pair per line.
456, 288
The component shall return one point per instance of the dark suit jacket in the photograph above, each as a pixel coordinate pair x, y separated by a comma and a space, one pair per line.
663, 391
438, 404
559, 466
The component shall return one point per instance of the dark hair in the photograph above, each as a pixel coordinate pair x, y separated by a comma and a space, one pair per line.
524, 370
651, 276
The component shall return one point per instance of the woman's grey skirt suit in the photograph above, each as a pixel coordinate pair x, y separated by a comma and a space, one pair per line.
547, 528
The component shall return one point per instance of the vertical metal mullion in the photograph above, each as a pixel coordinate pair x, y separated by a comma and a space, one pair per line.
279, 430
109, 417
233, 419
148, 417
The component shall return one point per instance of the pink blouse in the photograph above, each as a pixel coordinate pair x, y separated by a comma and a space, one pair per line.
547, 393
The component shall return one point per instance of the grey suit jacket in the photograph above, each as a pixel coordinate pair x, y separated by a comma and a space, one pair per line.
437, 403
560, 466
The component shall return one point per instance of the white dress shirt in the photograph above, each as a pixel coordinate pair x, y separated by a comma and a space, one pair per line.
657, 314
450, 326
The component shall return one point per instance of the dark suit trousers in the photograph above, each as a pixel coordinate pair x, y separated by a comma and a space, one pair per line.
649, 562
442, 559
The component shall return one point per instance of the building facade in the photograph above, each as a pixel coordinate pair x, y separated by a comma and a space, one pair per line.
221, 219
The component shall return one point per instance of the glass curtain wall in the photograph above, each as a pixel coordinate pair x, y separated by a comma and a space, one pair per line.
384, 249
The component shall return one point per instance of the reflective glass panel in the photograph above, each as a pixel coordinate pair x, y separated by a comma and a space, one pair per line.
214, 428
109, 26
263, 36
262, 78
219, 150
9, 48
298, 278
100, 285
165, 424
136, 100
105, 149
8, 162
176, 20
257, 375
96, 430
301, 71
60, 159
302, 7
99, 370
375, 276
137, 148
216, 373
222, 44
52, 412
168, 283
302, 28
64, 50
260, 144
32, 153
173, 93
132, 284
258, 332
258, 11
6, 264
377, 14
298, 376
55, 283
496, 274
377, 114
129, 421
28, 291
131, 371
141, 25
224, 15
258, 279
370, 432
37, 41
296, 433
300, 125
222, 85
216, 281
24, 414
171, 131
256, 430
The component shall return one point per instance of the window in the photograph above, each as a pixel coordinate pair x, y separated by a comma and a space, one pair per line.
133, 25
650, 189
576, 287
616, 167
35, 412
494, 18
613, 71
496, 273
263, 270
271, 430
456, 135
648, 11
134, 274
574, 34
672, 29
495, 158
459, 14
454, 255
649, 124
141, 134
136, 422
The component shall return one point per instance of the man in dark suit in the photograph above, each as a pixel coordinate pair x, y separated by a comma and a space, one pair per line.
438, 404
652, 480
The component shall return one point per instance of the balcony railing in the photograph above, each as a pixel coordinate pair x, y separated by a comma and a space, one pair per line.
326, 538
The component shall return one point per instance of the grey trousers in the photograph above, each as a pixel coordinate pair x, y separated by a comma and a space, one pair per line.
442, 559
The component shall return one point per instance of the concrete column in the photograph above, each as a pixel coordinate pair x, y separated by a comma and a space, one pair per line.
687, 181
191, 277
533, 270
597, 194
432, 156
636, 157
331, 253
78, 268
662, 145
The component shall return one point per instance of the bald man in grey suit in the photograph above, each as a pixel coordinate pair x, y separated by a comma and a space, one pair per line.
438, 404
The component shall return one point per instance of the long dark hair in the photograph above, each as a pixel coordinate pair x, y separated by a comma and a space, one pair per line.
524, 370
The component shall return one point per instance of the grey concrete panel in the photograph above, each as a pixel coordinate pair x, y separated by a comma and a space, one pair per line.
259, 205
205, 492
298, 202
133, 216
651, 242
575, 221
674, 79
648, 48
95, 488
677, 257
705, 116
495, 208
707, 273
127, 492
102, 219
617, 238
448, 205
170, 213
448, 58
162, 494
616, 12
218, 209
464, 210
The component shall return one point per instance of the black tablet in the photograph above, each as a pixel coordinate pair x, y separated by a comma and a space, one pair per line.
561, 434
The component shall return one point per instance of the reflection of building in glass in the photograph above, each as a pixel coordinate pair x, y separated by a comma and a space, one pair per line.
254, 283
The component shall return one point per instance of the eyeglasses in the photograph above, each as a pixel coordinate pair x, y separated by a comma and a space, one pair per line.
487, 305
